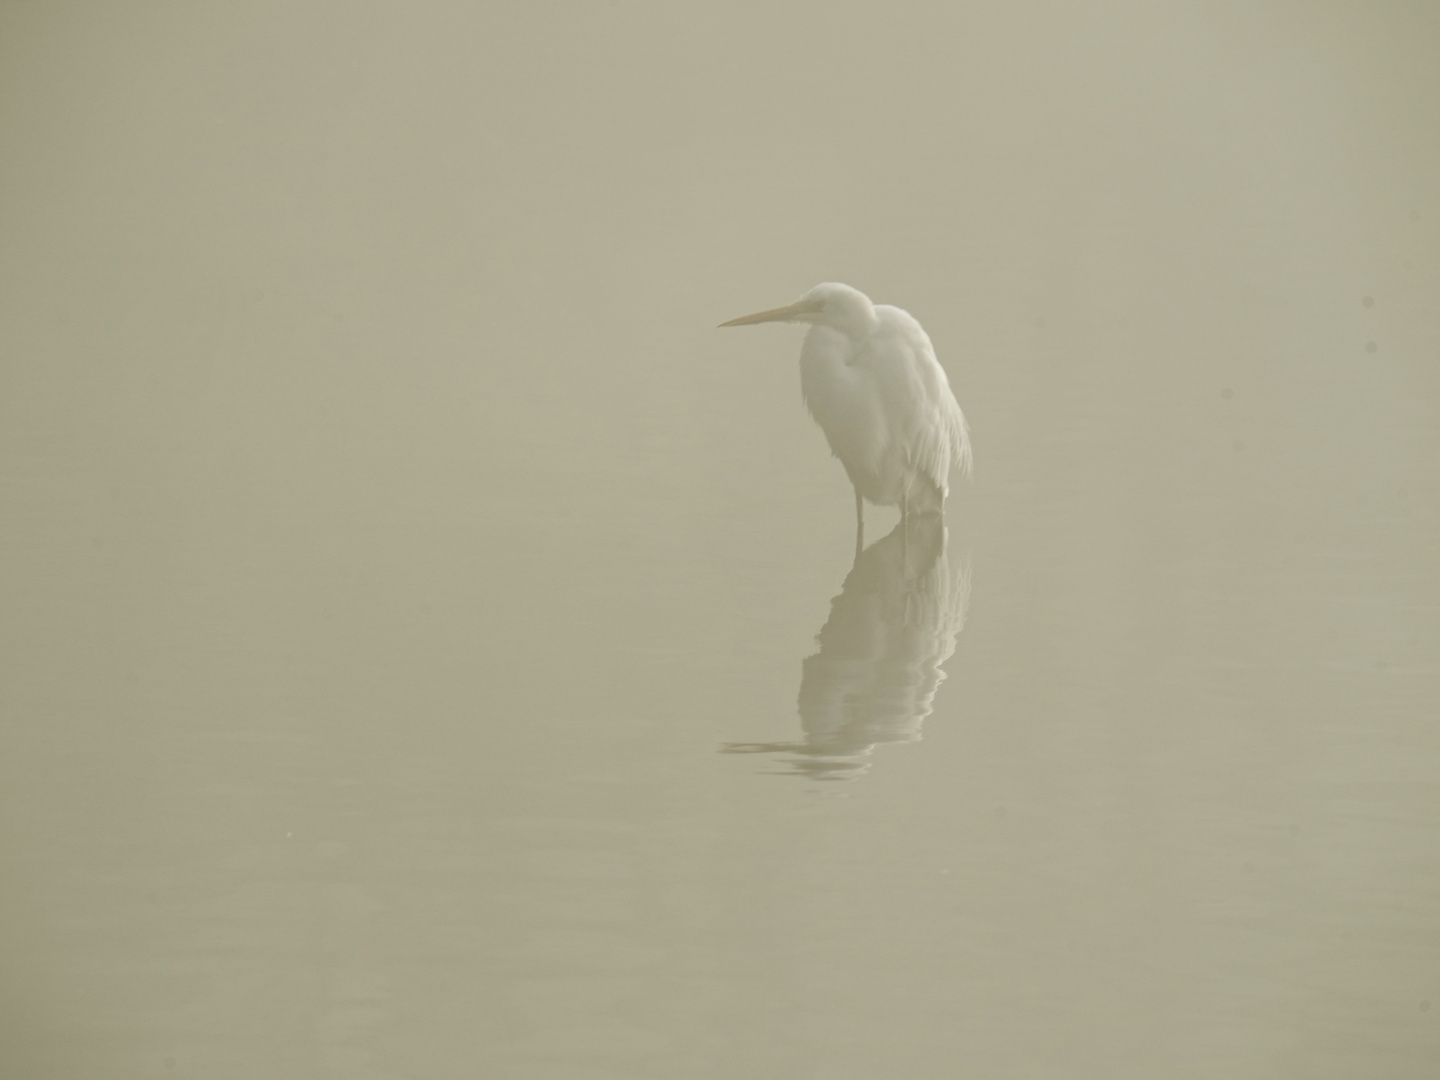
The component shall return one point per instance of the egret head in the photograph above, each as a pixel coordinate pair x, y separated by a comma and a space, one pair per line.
829, 304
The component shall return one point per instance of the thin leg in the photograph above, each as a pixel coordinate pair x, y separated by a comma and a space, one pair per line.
859, 522
904, 539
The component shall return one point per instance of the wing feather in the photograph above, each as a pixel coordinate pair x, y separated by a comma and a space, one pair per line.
924, 418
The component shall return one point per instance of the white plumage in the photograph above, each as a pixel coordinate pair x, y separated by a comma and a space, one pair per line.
870, 379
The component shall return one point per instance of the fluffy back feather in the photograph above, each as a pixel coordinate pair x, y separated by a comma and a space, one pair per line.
922, 405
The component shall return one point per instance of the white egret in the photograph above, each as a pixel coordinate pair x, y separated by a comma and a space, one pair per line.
870, 379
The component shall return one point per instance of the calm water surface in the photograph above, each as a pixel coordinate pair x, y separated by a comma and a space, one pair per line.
431, 649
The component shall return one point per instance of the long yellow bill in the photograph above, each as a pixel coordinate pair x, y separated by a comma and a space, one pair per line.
788, 313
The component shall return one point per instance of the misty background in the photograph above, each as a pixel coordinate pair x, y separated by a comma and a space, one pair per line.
390, 545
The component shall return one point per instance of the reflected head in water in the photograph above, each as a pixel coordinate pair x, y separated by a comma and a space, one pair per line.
874, 679
871, 381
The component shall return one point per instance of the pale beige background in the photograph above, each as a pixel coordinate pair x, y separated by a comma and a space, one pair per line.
389, 543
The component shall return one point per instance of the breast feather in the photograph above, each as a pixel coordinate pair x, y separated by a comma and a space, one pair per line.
839, 392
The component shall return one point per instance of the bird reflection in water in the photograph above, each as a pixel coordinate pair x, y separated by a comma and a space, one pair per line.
874, 679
